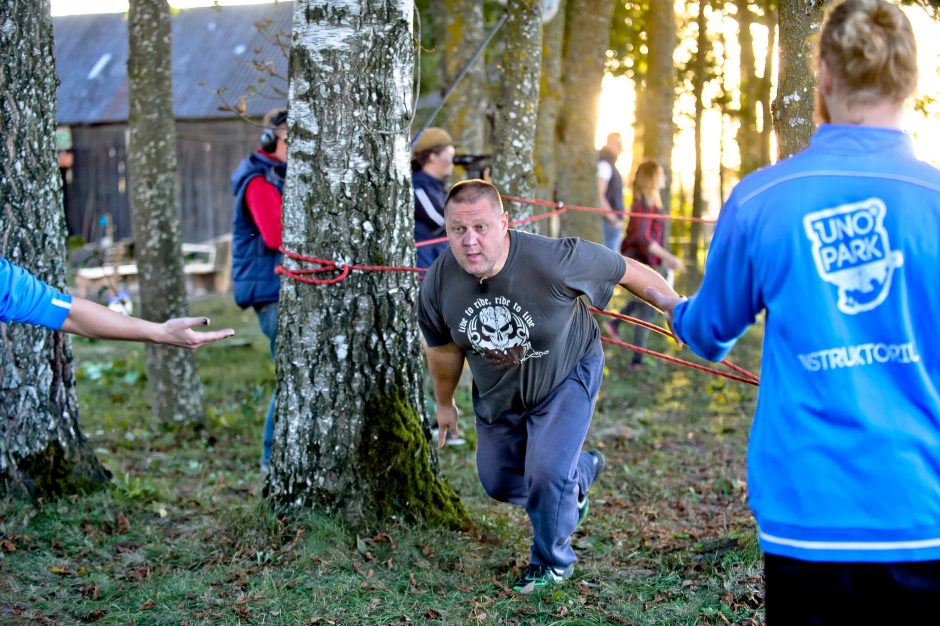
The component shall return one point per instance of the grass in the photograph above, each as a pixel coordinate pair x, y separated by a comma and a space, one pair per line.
184, 535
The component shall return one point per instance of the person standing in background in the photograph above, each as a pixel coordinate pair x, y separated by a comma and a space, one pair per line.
610, 190
258, 183
645, 242
432, 164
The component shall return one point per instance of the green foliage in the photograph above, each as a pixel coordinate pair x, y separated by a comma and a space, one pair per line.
186, 535
626, 55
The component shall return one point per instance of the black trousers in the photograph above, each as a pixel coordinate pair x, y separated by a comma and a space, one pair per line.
807, 593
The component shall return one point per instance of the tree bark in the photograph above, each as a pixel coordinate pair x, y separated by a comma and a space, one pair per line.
517, 107
698, 84
42, 450
175, 391
660, 94
799, 22
550, 96
586, 38
466, 107
766, 83
348, 435
748, 135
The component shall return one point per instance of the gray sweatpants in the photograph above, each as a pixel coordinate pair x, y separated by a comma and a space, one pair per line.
533, 458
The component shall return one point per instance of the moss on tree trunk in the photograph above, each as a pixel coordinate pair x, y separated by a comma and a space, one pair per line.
393, 458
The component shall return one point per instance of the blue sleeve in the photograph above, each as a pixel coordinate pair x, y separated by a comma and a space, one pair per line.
729, 300
25, 298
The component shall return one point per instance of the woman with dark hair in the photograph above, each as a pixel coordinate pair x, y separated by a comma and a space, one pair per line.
839, 248
645, 242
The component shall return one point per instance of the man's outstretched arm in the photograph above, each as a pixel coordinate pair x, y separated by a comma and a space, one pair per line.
643, 282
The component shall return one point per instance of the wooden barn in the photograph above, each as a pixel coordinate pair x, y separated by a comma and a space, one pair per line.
220, 54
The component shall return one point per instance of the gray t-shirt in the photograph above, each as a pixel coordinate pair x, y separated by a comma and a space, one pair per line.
526, 328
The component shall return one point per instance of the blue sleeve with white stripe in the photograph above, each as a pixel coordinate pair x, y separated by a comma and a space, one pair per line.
25, 298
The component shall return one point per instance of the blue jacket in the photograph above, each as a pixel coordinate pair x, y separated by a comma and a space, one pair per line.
253, 279
25, 298
429, 216
839, 246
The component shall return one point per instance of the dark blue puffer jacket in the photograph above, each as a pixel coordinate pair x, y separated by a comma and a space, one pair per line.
253, 279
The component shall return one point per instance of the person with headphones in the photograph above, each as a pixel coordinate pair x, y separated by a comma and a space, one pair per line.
258, 183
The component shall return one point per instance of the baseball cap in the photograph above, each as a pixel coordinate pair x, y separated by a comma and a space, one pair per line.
433, 138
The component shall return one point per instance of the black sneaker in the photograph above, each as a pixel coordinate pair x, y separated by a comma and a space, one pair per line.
584, 504
537, 577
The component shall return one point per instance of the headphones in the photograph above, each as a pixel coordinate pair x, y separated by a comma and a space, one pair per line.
268, 138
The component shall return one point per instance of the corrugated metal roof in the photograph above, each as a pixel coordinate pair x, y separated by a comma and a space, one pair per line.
213, 48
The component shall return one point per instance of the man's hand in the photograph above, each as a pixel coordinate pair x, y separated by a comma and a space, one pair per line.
446, 420
667, 304
178, 332
673, 263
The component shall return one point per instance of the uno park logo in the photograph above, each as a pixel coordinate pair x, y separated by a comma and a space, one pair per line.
852, 251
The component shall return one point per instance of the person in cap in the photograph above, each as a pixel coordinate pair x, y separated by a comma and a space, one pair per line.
837, 248
512, 304
432, 162
258, 183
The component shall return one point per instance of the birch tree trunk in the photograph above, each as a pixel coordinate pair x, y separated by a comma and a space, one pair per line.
175, 391
588, 32
466, 108
518, 104
42, 450
553, 38
348, 435
799, 22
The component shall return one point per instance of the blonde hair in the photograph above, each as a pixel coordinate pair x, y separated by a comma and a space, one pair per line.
646, 185
869, 48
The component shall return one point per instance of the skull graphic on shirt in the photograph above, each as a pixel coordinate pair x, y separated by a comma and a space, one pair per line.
497, 328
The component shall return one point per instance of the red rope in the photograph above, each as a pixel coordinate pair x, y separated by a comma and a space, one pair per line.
327, 265
588, 209
677, 361
750, 378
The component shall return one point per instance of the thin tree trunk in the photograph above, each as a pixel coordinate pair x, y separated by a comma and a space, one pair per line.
517, 108
586, 38
348, 435
175, 391
766, 86
660, 94
799, 22
748, 136
550, 96
466, 108
698, 84
42, 450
